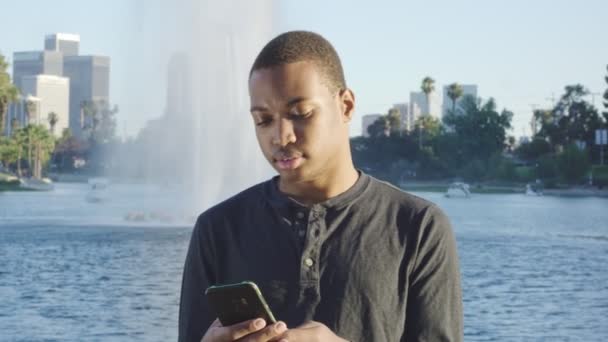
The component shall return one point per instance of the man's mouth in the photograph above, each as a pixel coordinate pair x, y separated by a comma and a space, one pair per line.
288, 162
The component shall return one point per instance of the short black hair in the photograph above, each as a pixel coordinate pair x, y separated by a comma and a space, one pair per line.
299, 46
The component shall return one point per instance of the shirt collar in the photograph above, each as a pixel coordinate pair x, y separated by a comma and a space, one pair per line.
280, 200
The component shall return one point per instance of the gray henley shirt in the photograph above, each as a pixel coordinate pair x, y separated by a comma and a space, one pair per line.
373, 264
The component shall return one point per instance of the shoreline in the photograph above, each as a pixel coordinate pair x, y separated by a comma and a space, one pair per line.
504, 189
430, 186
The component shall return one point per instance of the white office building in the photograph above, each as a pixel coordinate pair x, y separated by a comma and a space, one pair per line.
420, 105
53, 94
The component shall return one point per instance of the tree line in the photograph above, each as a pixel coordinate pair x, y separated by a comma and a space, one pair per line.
472, 142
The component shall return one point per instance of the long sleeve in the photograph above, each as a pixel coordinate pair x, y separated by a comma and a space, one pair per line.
434, 308
194, 315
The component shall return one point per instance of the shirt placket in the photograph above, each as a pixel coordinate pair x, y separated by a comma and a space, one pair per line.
309, 260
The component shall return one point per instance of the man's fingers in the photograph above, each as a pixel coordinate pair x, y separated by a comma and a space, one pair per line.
216, 323
267, 334
236, 331
242, 329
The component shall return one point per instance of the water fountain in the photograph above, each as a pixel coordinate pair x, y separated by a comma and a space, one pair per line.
205, 140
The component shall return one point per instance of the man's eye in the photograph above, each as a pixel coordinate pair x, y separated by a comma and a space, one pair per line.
264, 122
299, 116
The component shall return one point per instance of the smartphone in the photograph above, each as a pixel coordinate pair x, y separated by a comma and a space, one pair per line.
235, 303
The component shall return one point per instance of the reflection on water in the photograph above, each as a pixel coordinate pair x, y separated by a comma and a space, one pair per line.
533, 268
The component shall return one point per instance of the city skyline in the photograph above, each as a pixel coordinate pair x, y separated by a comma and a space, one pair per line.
59, 81
522, 54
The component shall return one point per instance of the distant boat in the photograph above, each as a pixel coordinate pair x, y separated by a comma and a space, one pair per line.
533, 191
98, 190
43, 184
458, 189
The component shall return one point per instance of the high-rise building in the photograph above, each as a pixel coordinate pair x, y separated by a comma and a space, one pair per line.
22, 112
366, 121
89, 83
179, 87
67, 44
467, 89
53, 93
43, 76
420, 105
30, 63
404, 110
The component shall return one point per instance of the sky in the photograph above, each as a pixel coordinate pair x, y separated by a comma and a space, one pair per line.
521, 53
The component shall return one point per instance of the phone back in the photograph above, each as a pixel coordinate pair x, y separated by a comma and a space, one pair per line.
240, 302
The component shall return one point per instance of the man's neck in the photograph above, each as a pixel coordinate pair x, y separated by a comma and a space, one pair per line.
321, 188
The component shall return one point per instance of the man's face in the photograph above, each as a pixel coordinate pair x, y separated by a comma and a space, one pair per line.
301, 126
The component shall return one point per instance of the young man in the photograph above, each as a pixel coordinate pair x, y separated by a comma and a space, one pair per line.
337, 254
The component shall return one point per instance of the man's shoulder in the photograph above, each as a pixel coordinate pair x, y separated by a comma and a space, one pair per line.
411, 210
394, 196
236, 205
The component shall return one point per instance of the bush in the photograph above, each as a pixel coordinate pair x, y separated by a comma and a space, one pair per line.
573, 164
474, 171
547, 168
600, 175
525, 173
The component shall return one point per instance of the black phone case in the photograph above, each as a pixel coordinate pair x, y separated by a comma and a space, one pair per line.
235, 303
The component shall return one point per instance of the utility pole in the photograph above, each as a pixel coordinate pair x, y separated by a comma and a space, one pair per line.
593, 95
552, 99
601, 139
533, 120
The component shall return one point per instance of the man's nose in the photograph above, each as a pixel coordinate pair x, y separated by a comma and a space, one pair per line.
284, 133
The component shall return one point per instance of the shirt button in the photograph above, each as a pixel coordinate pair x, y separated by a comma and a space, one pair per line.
300, 215
302, 233
309, 262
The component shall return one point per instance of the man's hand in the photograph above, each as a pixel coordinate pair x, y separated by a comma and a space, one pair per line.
310, 332
254, 330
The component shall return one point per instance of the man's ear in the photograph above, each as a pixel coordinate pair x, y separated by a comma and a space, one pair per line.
347, 104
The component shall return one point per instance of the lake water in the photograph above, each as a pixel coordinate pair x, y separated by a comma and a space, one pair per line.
533, 268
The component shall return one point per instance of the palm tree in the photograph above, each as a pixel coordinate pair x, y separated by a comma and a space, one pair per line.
30, 108
53, 118
8, 93
14, 125
20, 137
88, 116
427, 86
454, 92
28, 144
43, 143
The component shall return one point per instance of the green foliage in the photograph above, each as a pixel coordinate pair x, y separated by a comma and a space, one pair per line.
33, 143
600, 175
472, 142
394, 121
99, 121
427, 86
501, 168
547, 168
473, 171
8, 92
379, 128
53, 118
606, 98
455, 91
9, 151
570, 120
573, 164
525, 173
481, 131
533, 150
